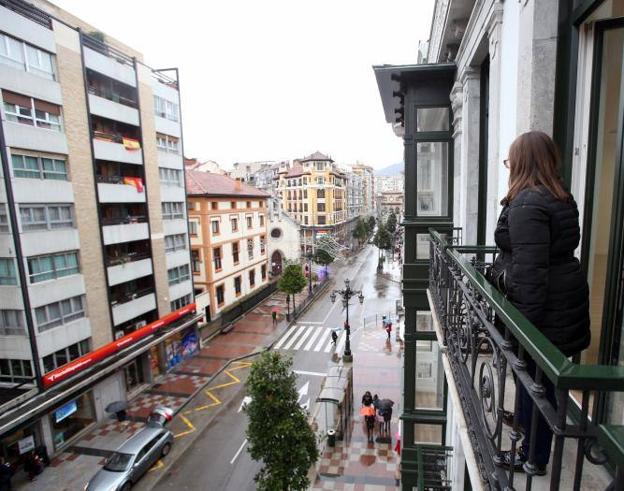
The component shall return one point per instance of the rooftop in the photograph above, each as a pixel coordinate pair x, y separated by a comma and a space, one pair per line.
209, 184
316, 156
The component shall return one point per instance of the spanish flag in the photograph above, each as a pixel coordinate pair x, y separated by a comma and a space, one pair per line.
131, 144
137, 182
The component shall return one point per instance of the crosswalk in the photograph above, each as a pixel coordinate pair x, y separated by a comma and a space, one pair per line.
310, 338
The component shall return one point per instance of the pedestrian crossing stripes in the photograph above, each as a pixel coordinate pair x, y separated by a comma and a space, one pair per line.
310, 338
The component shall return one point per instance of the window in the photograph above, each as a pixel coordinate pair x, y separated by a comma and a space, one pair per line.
216, 254
233, 205
46, 217
321, 220
320, 180
235, 257
214, 224
276, 233
178, 274
175, 242
34, 112
237, 285
263, 271
165, 109
11, 322
252, 277
261, 220
220, 295
249, 222
234, 223
15, 370
195, 261
248, 204
180, 302
170, 177
193, 227
320, 193
305, 207
320, 207
320, 165
262, 244
4, 219
214, 205
305, 220
423, 370
22, 56
172, 210
32, 167
59, 313
61, 357
250, 246
7, 271
167, 143
53, 266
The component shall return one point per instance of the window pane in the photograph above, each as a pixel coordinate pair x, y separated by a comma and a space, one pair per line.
432, 178
427, 433
429, 376
432, 119
422, 246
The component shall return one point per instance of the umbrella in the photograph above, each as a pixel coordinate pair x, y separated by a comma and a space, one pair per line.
367, 411
115, 407
385, 403
277, 310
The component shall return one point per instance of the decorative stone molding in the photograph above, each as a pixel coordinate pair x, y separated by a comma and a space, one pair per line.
457, 101
437, 29
493, 28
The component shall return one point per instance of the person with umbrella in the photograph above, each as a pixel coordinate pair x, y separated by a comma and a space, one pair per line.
274, 312
385, 408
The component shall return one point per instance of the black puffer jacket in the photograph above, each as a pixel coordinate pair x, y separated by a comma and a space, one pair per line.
537, 235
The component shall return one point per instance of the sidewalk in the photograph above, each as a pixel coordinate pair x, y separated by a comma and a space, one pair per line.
71, 469
354, 464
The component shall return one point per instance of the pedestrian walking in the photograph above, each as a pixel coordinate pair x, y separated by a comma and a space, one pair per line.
387, 417
367, 399
6, 473
537, 234
388, 329
334, 337
274, 316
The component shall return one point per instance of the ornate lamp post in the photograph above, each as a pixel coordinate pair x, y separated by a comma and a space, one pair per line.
346, 295
309, 258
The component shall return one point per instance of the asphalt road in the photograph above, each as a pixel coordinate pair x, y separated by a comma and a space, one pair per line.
218, 459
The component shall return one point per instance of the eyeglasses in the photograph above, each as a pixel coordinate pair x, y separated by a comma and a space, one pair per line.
506, 163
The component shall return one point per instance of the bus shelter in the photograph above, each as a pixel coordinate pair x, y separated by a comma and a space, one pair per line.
335, 402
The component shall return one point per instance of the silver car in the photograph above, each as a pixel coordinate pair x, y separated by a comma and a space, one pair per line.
133, 459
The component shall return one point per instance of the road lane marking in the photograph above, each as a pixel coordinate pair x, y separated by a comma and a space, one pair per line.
341, 343
314, 374
188, 424
239, 451
283, 339
215, 402
322, 340
311, 322
303, 338
293, 338
329, 313
317, 331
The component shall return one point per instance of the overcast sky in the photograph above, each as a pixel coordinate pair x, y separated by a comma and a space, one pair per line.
269, 79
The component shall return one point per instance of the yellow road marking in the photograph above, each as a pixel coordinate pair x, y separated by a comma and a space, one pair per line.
188, 423
157, 465
215, 402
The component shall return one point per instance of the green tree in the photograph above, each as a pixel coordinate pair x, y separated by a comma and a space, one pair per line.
322, 257
383, 240
360, 232
371, 224
278, 432
292, 281
391, 222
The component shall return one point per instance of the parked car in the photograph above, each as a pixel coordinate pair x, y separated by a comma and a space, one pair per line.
135, 457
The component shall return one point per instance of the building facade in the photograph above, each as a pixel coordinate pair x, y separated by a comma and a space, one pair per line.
203, 166
492, 71
228, 228
313, 192
367, 173
92, 196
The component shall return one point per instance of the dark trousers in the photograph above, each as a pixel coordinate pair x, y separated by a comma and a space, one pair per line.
544, 434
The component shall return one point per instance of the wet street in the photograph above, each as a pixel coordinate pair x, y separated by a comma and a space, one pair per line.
218, 458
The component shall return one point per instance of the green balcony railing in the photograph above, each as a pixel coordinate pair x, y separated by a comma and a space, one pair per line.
486, 337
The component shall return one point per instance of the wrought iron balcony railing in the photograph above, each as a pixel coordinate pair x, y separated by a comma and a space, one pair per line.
485, 338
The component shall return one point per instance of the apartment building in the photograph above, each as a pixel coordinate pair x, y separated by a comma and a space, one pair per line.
367, 173
203, 166
228, 229
93, 230
313, 192
490, 71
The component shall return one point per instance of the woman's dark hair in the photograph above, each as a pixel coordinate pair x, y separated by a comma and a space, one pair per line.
534, 160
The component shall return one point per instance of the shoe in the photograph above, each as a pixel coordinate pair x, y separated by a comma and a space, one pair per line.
520, 464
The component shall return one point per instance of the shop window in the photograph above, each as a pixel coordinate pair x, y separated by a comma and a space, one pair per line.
220, 295
71, 418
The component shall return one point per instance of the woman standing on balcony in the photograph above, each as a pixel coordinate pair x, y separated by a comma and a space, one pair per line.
537, 233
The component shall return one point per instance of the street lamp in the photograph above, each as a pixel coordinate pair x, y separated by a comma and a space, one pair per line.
309, 258
346, 295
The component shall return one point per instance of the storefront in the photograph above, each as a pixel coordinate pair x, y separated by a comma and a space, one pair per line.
155, 361
181, 346
15, 446
134, 374
71, 418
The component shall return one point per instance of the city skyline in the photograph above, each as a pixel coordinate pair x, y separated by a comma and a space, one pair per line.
281, 88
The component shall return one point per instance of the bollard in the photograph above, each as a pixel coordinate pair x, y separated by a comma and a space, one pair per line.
331, 438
